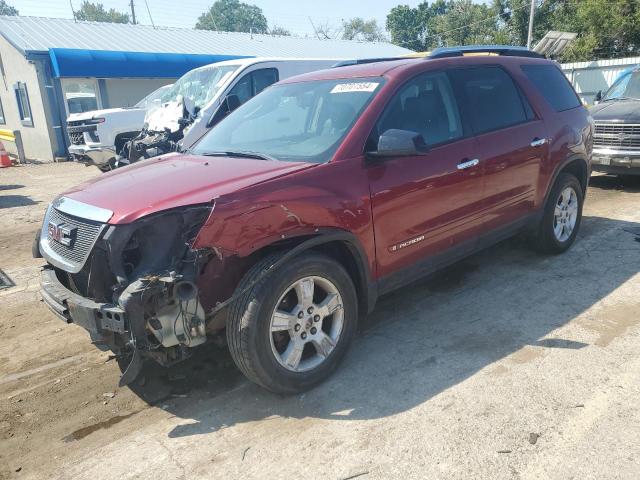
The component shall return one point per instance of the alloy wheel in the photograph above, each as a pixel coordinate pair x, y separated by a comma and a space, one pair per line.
306, 324
565, 214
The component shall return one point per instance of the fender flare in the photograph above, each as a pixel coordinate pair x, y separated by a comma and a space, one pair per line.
559, 168
323, 236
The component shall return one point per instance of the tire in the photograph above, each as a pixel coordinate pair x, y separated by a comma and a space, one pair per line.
267, 357
545, 238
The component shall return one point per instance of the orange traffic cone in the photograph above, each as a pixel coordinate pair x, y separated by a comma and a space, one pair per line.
5, 161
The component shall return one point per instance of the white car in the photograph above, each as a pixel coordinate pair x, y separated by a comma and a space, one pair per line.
204, 96
96, 137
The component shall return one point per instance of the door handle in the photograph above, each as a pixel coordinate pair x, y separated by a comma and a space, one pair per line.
537, 142
468, 164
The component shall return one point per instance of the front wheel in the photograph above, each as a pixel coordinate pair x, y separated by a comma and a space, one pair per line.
292, 328
562, 215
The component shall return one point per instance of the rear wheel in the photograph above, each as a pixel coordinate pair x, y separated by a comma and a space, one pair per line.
562, 215
292, 328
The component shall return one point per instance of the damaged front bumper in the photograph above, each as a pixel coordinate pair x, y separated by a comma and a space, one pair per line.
102, 320
99, 156
132, 287
155, 317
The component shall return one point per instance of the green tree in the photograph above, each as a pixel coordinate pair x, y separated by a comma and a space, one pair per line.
441, 23
462, 23
233, 16
605, 28
6, 9
360, 29
95, 12
513, 22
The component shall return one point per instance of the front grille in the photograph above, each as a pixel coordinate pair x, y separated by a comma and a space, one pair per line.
76, 138
82, 240
617, 135
76, 131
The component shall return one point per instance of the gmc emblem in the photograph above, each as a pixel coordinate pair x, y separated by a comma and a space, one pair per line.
62, 233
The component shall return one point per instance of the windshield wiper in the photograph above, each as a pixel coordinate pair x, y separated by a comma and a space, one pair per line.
259, 156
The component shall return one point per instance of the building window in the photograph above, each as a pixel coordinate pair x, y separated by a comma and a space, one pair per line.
80, 95
24, 109
2, 120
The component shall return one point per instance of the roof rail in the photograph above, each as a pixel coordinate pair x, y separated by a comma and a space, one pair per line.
361, 61
504, 50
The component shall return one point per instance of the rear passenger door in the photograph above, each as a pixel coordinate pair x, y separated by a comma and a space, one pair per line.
510, 142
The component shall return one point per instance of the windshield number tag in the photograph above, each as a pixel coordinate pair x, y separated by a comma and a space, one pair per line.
355, 87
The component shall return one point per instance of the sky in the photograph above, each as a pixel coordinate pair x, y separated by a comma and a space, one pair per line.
292, 15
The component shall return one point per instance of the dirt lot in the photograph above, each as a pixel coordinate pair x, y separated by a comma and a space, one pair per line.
507, 365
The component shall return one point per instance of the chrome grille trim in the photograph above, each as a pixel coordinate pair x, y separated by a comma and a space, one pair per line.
617, 135
82, 210
89, 223
77, 138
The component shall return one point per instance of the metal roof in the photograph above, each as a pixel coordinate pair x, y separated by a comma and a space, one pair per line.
38, 35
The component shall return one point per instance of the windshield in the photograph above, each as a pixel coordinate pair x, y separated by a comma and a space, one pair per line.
627, 86
200, 85
296, 122
153, 99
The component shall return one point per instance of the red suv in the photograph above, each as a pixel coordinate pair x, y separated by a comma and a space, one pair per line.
292, 216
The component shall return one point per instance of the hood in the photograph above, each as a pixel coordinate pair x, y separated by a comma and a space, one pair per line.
624, 111
74, 117
174, 180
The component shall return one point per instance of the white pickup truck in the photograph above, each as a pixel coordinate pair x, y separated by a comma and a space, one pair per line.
96, 137
204, 96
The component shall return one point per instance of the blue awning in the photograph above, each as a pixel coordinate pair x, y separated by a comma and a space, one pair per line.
71, 62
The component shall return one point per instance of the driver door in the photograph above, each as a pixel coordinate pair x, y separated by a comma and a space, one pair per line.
427, 208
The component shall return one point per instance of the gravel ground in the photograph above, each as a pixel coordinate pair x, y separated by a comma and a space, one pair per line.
507, 365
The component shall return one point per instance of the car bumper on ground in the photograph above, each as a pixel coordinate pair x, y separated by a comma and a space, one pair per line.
91, 155
616, 161
101, 320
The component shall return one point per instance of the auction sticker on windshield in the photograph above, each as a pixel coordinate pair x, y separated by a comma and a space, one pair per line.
355, 87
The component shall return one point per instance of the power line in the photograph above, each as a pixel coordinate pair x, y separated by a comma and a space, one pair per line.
149, 12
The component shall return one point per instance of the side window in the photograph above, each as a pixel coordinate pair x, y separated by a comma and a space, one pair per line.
492, 99
263, 78
425, 105
24, 108
243, 88
253, 83
553, 86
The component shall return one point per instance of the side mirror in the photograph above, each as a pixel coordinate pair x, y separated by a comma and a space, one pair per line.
231, 102
399, 143
598, 97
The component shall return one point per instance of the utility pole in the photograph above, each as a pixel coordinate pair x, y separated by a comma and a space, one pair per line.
133, 13
531, 14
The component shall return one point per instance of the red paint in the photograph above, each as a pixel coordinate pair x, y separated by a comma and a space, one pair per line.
173, 181
423, 202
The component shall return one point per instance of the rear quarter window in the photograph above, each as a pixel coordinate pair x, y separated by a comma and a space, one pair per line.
553, 86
